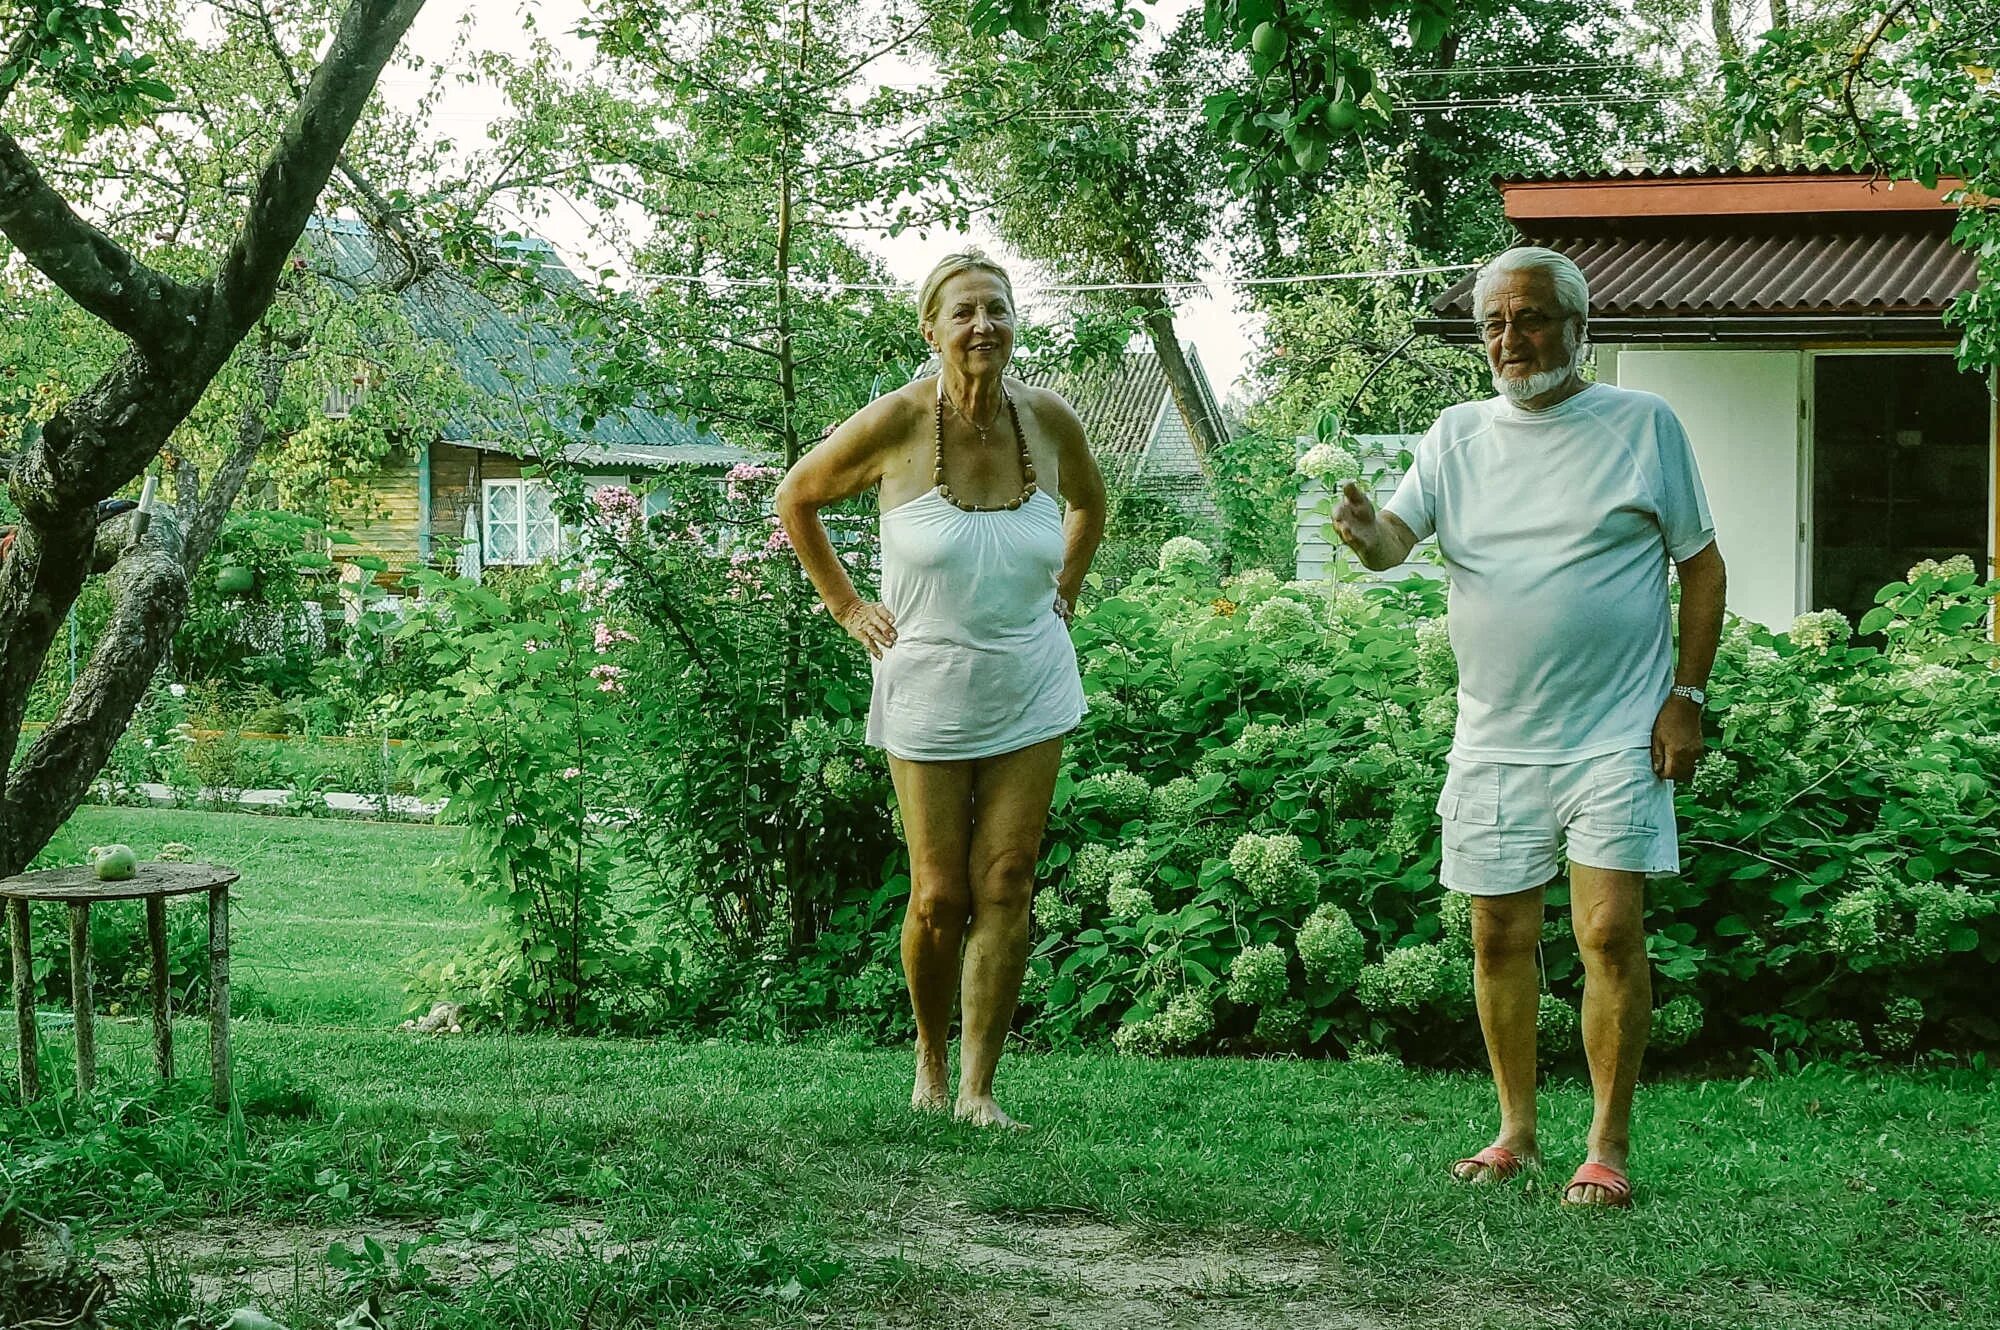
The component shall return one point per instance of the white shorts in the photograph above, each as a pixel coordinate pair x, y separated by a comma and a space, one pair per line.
1506, 823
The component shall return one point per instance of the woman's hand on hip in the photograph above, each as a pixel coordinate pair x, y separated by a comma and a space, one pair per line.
1064, 610
869, 623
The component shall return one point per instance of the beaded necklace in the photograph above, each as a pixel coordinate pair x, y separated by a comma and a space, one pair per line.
1027, 461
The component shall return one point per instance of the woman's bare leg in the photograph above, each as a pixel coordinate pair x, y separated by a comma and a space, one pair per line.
936, 803
1010, 807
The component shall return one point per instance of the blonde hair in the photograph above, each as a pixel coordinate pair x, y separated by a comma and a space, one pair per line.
950, 266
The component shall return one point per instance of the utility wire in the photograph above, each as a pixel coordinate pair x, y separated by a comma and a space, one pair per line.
1077, 288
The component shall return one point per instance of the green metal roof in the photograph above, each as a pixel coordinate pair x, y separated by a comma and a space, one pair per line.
505, 352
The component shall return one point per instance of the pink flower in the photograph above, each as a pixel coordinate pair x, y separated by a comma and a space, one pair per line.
778, 541
531, 646
742, 479
607, 677
571, 773
605, 637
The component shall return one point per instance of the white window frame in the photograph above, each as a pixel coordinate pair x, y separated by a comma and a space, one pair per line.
520, 487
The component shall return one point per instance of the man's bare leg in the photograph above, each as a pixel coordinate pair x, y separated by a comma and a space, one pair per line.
1010, 806
1609, 914
936, 802
1506, 945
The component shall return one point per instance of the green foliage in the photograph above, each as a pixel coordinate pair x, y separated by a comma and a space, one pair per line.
1904, 87
1294, 737
1256, 491
518, 735
80, 51
120, 959
269, 635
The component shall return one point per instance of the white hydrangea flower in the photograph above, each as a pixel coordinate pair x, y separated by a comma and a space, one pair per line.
1713, 774
1331, 947
1128, 900
1057, 915
1437, 664
1250, 581
1441, 712
1821, 630
1958, 565
1185, 553
1281, 616
1257, 977
1926, 677
1272, 868
1329, 462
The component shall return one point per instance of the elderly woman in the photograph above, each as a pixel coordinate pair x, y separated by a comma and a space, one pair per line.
975, 679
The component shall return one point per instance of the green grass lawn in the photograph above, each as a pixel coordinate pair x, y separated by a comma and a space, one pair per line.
570, 1183
330, 916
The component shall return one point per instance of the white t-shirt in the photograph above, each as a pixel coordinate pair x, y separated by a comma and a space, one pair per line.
1556, 527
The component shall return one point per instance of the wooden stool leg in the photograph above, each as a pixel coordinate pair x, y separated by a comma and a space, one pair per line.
79, 998
218, 994
24, 1000
163, 1016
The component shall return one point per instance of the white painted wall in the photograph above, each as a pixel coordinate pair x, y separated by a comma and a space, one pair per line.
1743, 412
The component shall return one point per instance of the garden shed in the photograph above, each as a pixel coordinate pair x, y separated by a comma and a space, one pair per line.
465, 483
1794, 320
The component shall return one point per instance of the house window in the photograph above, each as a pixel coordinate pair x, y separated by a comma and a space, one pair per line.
520, 522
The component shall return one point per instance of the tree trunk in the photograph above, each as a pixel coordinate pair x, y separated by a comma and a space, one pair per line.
1722, 22
181, 334
1196, 408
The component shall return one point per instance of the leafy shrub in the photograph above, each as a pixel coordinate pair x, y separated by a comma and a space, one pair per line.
1837, 891
518, 736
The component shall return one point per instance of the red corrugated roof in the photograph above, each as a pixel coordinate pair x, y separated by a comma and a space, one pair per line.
1806, 272
1810, 244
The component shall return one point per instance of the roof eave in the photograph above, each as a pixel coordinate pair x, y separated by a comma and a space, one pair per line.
1897, 326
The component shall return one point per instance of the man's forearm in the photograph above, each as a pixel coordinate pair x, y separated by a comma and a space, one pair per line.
1702, 596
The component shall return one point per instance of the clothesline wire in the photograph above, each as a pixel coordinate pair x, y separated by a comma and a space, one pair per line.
1077, 288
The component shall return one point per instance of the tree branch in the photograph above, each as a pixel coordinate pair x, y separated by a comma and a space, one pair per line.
149, 596
90, 267
289, 186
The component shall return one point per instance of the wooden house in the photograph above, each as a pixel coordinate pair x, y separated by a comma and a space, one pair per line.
464, 485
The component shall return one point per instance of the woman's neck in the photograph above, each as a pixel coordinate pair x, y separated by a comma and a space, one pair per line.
974, 398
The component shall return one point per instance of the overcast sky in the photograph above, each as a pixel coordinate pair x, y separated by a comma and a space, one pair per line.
1219, 333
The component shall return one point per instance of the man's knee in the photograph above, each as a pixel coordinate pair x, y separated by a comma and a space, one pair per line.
1006, 881
1611, 940
1506, 928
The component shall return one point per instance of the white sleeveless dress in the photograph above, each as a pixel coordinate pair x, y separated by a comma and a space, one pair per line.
982, 663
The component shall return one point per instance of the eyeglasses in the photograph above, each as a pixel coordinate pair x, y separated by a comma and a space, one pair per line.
1528, 323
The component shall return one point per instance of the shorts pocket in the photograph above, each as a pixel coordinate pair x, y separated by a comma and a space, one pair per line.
1471, 795
1624, 792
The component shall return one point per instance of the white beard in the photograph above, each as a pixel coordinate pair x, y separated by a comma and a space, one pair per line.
1519, 391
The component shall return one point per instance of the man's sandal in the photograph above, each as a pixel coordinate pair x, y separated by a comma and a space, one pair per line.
1616, 1184
1499, 1162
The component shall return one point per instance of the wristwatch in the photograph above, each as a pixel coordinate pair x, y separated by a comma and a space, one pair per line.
1698, 696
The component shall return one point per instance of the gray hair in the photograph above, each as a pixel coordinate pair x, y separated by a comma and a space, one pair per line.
1572, 291
950, 266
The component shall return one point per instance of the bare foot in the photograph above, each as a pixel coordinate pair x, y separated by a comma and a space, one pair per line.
983, 1111
930, 1096
1493, 1169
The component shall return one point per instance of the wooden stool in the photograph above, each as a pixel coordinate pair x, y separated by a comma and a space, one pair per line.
80, 888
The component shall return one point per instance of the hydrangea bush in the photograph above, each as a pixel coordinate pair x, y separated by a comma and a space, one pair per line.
1839, 891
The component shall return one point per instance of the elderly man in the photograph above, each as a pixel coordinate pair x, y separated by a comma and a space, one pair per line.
1557, 506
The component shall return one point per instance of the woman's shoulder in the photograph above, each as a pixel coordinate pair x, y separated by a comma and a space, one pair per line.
890, 418
1046, 405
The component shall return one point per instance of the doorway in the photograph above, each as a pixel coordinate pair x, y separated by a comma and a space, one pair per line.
1902, 470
